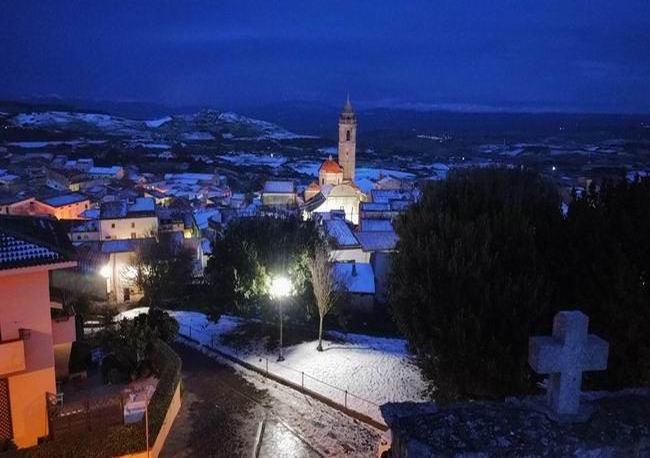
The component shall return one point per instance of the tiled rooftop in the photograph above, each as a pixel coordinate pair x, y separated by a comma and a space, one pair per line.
29, 241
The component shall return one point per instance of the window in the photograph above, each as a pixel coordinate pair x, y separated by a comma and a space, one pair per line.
132, 225
133, 235
113, 225
347, 136
108, 237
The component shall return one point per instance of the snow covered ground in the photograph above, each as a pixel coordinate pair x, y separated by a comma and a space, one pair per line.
374, 370
272, 160
271, 131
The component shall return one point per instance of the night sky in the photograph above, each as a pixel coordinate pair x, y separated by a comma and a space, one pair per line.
479, 55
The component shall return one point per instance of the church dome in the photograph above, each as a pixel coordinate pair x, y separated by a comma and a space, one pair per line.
330, 166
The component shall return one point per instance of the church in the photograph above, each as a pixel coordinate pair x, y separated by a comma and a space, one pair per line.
335, 189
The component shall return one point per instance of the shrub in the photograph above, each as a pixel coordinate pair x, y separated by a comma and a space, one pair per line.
80, 357
164, 325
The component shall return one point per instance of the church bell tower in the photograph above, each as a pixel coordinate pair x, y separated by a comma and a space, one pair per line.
347, 140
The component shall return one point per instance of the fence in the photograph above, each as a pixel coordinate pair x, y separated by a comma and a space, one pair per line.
93, 414
342, 399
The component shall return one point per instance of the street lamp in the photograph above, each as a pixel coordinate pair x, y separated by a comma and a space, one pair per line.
280, 289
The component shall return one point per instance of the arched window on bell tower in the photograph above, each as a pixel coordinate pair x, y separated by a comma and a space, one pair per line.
347, 135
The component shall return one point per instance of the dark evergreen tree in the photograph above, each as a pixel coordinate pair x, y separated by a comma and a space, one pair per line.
469, 282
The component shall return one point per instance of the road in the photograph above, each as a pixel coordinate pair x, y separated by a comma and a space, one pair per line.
222, 409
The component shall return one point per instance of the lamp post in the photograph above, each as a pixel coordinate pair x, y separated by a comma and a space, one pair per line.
280, 289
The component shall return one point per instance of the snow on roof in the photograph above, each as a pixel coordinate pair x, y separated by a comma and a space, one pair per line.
280, 187
206, 247
376, 225
357, 278
378, 241
118, 246
91, 213
190, 176
142, 204
375, 206
203, 216
338, 230
65, 199
387, 195
114, 170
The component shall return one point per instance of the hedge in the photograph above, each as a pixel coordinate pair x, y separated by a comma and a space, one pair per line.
122, 439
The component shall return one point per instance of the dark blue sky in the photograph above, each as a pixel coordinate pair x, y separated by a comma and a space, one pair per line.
591, 55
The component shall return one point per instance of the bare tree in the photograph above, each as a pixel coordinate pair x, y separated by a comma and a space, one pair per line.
327, 288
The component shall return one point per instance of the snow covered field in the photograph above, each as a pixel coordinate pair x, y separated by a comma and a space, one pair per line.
272, 160
373, 370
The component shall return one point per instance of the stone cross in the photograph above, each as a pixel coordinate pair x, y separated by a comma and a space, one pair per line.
565, 356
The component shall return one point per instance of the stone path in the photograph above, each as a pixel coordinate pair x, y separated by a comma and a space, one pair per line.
222, 409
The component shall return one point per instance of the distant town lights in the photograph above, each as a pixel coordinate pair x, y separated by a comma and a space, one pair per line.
554, 168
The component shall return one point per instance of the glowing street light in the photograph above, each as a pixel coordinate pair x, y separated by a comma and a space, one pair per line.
105, 271
280, 289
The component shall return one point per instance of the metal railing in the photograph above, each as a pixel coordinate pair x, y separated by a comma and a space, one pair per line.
348, 401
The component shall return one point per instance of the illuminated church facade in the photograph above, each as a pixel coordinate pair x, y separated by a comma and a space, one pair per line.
335, 189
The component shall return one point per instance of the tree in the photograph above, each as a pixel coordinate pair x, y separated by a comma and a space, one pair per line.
127, 343
327, 289
606, 273
469, 282
161, 269
249, 253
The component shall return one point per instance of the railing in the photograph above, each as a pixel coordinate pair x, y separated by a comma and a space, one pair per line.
340, 398
93, 414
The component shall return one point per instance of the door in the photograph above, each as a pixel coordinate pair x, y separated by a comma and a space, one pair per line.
6, 430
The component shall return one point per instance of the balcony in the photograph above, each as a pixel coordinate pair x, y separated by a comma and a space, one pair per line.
12, 356
63, 329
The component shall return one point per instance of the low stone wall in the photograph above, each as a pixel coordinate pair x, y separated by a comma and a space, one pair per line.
618, 427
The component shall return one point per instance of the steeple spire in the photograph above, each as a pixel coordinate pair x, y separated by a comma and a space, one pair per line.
347, 108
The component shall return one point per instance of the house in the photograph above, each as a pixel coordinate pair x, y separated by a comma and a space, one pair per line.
115, 172
358, 281
120, 219
68, 206
344, 244
34, 347
378, 241
65, 206
279, 193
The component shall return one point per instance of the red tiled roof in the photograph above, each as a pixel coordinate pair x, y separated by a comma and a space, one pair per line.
330, 166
